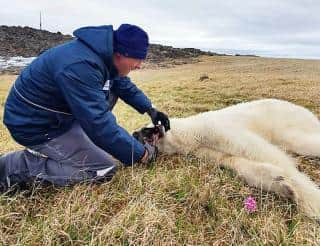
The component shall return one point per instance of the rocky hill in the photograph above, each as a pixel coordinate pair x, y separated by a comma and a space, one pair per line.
29, 42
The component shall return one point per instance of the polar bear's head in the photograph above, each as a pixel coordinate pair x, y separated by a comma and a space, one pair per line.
147, 134
155, 135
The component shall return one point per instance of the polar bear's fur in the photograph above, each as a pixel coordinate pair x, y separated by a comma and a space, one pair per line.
251, 138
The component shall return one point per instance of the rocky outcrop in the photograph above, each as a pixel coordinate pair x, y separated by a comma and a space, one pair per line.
30, 42
159, 53
27, 41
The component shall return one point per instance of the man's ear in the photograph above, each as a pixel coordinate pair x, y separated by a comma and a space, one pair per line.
117, 54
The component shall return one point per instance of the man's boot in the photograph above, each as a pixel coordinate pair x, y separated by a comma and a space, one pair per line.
3, 175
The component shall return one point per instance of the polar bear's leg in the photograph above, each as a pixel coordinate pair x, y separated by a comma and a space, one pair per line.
294, 184
258, 174
251, 146
301, 142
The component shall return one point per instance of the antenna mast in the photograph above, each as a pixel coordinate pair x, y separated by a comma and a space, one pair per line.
40, 22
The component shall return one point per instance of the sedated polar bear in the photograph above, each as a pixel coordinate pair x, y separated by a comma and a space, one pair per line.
251, 138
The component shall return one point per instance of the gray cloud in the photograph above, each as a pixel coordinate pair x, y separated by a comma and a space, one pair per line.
285, 28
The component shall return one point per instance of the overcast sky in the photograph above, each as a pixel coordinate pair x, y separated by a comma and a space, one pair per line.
280, 28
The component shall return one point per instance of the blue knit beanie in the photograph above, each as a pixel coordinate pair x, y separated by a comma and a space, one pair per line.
131, 41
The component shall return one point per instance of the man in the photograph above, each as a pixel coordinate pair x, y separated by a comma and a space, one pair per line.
59, 108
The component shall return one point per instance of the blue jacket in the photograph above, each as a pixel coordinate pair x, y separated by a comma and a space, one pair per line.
69, 79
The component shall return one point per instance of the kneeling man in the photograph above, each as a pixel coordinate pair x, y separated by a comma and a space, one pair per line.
59, 108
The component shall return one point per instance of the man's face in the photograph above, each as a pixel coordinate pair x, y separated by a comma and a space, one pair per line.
125, 64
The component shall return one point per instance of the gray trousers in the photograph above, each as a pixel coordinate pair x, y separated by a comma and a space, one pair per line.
68, 159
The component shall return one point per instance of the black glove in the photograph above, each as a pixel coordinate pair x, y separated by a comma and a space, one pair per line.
152, 153
157, 116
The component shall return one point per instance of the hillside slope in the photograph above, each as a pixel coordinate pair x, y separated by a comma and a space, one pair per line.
180, 200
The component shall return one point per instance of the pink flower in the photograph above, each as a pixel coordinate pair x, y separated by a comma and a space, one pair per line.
250, 204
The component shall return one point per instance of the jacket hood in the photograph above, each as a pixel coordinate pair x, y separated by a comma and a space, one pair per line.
99, 39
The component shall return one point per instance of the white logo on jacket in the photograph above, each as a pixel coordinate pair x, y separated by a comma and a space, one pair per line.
106, 86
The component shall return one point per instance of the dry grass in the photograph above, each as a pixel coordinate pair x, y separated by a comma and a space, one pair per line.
180, 200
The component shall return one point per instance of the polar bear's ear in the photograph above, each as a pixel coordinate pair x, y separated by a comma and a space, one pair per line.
148, 132
138, 135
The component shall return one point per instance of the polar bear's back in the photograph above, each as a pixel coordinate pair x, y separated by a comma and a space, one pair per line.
267, 116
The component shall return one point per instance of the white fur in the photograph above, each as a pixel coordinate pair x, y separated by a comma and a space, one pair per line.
251, 138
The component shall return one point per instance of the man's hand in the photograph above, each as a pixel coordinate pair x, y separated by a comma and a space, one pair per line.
157, 116
150, 154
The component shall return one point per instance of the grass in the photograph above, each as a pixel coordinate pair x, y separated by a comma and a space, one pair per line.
180, 200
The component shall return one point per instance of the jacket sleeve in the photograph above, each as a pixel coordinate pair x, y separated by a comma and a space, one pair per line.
81, 85
131, 94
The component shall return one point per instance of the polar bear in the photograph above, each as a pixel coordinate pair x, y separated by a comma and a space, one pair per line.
252, 138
